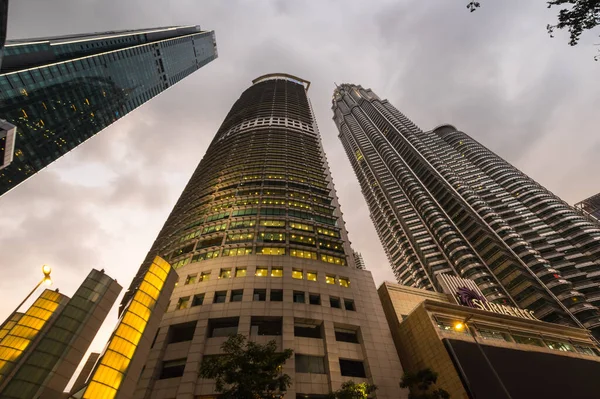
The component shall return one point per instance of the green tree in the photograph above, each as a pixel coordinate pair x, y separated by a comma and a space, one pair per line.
420, 385
351, 390
247, 370
576, 16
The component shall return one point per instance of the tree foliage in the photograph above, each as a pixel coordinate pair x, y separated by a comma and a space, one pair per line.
247, 370
420, 385
576, 16
351, 390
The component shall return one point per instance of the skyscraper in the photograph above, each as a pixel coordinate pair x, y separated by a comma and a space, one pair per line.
443, 203
3, 26
590, 206
60, 91
259, 243
40, 349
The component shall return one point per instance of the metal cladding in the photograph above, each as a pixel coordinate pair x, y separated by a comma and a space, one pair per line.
61, 91
443, 203
263, 187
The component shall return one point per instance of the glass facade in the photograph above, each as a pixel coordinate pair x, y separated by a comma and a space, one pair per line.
24, 331
443, 203
60, 91
112, 367
590, 207
58, 339
263, 188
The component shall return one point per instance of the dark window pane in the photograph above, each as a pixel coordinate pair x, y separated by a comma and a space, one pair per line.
236, 295
260, 295
181, 332
172, 369
346, 335
310, 364
277, 295
220, 296
266, 326
334, 302
198, 300
352, 368
314, 299
222, 327
307, 330
299, 297
349, 304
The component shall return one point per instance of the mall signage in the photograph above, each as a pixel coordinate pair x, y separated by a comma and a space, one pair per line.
468, 297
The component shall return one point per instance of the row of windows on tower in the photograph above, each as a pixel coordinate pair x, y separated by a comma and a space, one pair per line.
260, 295
263, 271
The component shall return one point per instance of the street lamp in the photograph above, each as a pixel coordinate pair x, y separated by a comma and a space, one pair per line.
462, 326
45, 280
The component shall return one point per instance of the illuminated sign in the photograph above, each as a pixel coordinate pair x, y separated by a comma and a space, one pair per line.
472, 299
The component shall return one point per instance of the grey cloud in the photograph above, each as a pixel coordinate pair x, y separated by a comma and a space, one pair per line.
495, 74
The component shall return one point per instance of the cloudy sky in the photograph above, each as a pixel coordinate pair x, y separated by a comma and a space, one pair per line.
495, 74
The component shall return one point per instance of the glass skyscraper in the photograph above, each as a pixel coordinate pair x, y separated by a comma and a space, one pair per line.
443, 203
60, 91
258, 241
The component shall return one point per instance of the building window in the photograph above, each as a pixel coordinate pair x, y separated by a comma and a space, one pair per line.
198, 300
314, 299
307, 330
343, 335
349, 304
329, 279
303, 254
220, 297
236, 295
344, 282
270, 251
276, 272
265, 325
240, 272
299, 297
494, 334
352, 368
272, 223
297, 273
191, 279
521, 339
311, 276
276, 295
225, 273
310, 364
261, 272
182, 303
172, 369
334, 302
181, 332
559, 346
204, 276
260, 295
223, 327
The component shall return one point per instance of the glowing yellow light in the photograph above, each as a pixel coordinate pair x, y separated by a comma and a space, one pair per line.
459, 326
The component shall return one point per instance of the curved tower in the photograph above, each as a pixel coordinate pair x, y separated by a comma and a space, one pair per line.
443, 203
259, 243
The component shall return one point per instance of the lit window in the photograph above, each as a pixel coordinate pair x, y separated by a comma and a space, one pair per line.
330, 279
303, 254
311, 276
297, 274
240, 272
276, 272
182, 303
344, 282
225, 273
261, 272
270, 251
191, 279
204, 276
272, 223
